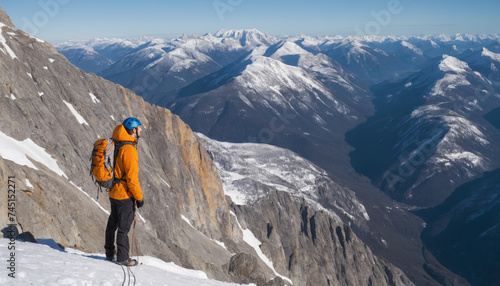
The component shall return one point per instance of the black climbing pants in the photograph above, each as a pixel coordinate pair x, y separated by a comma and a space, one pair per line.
120, 218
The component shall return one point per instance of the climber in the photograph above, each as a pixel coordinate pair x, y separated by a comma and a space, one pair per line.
126, 193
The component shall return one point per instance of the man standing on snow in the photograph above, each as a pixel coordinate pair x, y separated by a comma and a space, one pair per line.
125, 192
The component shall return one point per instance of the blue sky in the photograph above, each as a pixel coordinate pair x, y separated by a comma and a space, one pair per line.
59, 20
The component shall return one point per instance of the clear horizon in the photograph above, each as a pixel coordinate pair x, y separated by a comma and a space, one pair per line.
60, 20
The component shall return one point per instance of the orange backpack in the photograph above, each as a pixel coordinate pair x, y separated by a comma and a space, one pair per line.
102, 164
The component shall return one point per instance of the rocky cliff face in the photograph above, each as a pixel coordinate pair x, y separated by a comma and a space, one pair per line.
60, 111
311, 246
52, 112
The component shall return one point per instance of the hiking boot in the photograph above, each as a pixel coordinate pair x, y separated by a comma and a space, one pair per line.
111, 256
128, 262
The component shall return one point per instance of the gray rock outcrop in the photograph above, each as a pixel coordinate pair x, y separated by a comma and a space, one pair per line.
5, 19
312, 246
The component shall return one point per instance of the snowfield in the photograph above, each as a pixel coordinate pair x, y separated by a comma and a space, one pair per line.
6, 49
20, 152
245, 168
47, 264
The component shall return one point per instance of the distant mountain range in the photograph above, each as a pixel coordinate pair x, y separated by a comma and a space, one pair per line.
415, 117
371, 58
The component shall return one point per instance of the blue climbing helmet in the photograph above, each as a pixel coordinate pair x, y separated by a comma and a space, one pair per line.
131, 123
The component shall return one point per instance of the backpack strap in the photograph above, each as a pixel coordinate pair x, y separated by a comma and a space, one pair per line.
118, 145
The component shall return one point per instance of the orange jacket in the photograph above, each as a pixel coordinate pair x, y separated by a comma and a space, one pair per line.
126, 167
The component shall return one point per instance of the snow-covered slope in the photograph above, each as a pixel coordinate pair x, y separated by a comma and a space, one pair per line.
87, 59
433, 134
367, 62
97, 55
47, 264
329, 72
273, 80
359, 54
246, 169
160, 66
163, 65
377, 58
486, 61
251, 37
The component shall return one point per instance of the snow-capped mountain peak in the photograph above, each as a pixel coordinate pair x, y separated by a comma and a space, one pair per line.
264, 75
285, 48
492, 55
355, 46
255, 54
412, 47
355, 51
103, 43
251, 37
452, 64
